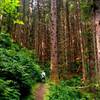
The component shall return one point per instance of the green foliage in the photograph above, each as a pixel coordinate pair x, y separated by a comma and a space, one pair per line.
9, 12
75, 81
9, 7
95, 88
8, 92
85, 10
69, 90
18, 22
66, 93
72, 6
5, 40
17, 64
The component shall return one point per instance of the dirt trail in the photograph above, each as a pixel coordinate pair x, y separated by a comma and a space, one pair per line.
40, 92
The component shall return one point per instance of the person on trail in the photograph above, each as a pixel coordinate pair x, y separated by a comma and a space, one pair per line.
43, 76
33, 74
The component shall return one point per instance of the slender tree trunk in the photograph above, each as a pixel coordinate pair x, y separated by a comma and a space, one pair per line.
81, 40
54, 55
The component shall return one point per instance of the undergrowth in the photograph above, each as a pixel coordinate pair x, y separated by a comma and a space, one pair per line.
17, 66
73, 90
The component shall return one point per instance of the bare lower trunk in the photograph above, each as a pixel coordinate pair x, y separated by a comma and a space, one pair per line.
54, 55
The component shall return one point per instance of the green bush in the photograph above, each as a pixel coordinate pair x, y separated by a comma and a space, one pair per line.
8, 92
5, 40
68, 90
64, 93
17, 64
75, 81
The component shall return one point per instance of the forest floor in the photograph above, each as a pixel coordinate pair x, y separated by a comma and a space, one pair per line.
41, 91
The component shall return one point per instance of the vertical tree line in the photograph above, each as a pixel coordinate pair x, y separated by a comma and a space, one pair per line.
61, 32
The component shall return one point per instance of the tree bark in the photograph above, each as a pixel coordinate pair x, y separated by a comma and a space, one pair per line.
54, 55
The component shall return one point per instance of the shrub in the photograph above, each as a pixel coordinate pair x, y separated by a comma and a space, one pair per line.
68, 90
8, 92
64, 93
17, 64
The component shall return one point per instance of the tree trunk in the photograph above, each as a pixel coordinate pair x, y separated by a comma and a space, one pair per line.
54, 55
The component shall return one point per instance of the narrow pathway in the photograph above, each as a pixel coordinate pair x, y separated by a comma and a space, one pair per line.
40, 92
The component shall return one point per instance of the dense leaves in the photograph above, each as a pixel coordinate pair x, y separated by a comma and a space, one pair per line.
9, 7
72, 90
8, 92
86, 10
16, 67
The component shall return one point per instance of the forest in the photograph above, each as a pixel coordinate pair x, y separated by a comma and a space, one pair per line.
49, 49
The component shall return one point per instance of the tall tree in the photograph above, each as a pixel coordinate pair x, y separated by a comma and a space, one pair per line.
54, 55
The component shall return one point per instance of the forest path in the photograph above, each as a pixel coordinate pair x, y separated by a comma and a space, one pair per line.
40, 91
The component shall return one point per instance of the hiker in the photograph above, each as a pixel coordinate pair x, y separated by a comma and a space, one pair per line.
33, 74
43, 76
